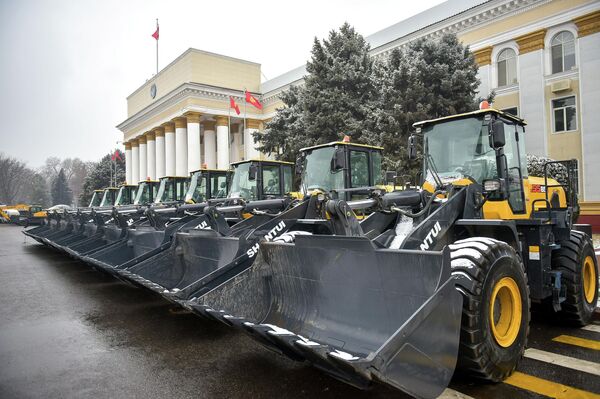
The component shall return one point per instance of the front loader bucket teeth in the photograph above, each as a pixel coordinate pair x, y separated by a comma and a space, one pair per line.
359, 313
201, 259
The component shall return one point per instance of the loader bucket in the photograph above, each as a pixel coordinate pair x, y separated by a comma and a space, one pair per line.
359, 313
86, 230
201, 259
107, 235
140, 244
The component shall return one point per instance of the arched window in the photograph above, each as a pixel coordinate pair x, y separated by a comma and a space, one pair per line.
563, 52
507, 67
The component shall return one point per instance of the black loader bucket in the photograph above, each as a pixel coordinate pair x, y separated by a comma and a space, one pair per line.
138, 245
80, 232
359, 313
66, 227
104, 236
200, 259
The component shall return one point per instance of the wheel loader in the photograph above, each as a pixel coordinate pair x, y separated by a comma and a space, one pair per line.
446, 285
246, 195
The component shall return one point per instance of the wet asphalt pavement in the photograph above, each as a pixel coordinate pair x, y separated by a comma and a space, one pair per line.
67, 331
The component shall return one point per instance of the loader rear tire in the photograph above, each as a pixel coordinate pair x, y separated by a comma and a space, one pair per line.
577, 261
496, 307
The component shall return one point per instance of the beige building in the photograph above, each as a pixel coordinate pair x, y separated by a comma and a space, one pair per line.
541, 57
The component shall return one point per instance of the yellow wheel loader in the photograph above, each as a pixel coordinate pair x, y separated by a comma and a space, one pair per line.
444, 282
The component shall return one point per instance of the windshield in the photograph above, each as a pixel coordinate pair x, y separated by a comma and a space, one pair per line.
143, 194
124, 196
196, 193
96, 198
241, 186
459, 149
165, 191
317, 172
107, 198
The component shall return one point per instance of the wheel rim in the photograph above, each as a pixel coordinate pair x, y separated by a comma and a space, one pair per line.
589, 279
505, 311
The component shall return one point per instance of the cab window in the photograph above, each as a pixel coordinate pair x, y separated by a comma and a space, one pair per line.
287, 179
218, 186
376, 162
359, 169
271, 180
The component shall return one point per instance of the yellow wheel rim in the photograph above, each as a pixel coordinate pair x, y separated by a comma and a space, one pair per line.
589, 279
505, 311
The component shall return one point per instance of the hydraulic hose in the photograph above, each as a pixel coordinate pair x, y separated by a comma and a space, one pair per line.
422, 211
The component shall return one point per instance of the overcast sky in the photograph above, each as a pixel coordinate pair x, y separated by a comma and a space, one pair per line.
67, 66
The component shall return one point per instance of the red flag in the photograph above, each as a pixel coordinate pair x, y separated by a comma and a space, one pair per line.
252, 100
116, 156
155, 34
232, 104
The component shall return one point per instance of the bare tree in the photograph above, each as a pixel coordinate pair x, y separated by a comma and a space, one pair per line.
13, 176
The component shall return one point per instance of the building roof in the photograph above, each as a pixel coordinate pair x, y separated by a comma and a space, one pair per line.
400, 29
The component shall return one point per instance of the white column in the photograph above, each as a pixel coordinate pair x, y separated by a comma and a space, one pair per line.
181, 163
143, 158
193, 141
135, 162
128, 176
589, 100
210, 145
151, 155
222, 142
250, 151
159, 133
532, 101
236, 141
169, 149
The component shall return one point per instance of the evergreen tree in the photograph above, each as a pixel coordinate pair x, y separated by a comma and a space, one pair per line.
99, 176
336, 98
61, 193
429, 79
38, 192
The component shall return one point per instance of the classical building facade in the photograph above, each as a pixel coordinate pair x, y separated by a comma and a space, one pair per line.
540, 57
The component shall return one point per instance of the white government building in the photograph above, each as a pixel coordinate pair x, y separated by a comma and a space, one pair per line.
541, 57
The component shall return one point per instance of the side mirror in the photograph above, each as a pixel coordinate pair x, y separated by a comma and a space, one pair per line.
390, 177
497, 137
412, 148
252, 171
338, 161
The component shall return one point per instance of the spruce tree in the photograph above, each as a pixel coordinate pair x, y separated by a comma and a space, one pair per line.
99, 176
61, 193
428, 79
336, 98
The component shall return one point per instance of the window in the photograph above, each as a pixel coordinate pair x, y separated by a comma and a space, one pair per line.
271, 180
218, 186
507, 67
565, 114
512, 110
563, 52
287, 179
359, 169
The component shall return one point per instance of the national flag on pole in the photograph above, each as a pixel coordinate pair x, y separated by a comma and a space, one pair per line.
155, 34
116, 156
252, 100
233, 104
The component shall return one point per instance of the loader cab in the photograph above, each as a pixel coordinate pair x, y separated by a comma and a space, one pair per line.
346, 170
207, 184
255, 180
485, 147
96, 198
172, 189
109, 196
146, 192
126, 195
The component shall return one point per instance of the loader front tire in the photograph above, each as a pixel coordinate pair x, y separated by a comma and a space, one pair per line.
496, 307
577, 261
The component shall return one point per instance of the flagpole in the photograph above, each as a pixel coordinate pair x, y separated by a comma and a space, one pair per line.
157, 48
